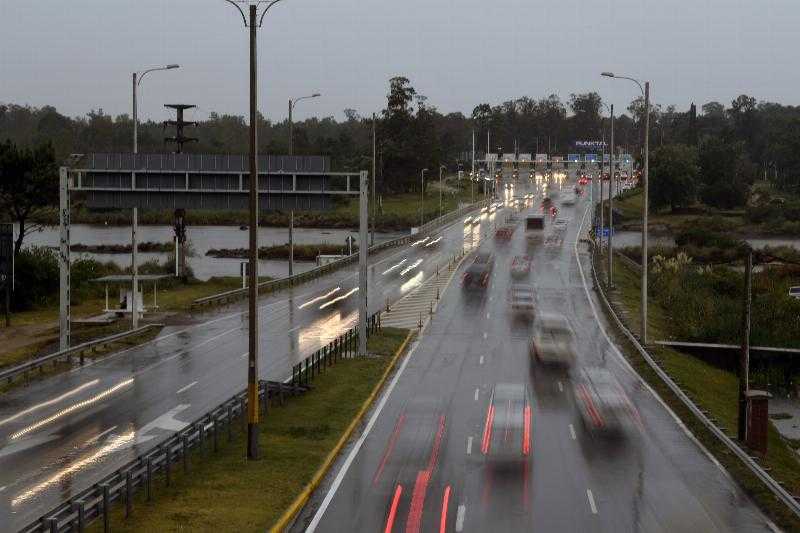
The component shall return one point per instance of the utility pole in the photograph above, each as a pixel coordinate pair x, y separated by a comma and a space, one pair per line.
291, 242
473, 176
440, 189
134, 305
611, 204
744, 357
252, 360
64, 315
422, 200
372, 236
645, 207
363, 253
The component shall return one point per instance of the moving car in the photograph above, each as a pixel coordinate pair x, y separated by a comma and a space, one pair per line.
507, 428
520, 266
505, 233
477, 274
553, 341
522, 300
602, 403
534, 229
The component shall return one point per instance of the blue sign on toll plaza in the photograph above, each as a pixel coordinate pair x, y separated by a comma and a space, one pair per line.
605, 232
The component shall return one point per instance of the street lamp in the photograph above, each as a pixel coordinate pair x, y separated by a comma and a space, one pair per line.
293, 103
441, 167
646, 94
252, 22
137, 79
422, 200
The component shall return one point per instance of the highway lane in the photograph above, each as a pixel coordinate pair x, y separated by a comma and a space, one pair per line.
59, 435
420, 466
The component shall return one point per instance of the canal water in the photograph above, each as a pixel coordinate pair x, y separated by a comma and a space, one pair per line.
201, 239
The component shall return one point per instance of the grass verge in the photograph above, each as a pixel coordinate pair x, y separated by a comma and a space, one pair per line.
711, 389
225, 492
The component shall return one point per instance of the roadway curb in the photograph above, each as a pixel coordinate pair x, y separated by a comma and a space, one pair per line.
288, 516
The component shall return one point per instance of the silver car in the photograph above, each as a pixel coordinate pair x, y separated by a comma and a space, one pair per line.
553, 341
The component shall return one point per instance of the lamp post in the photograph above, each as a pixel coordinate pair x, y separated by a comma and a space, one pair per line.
137, 79
441, 167
252, 22
422, 200
293, 103
646, 94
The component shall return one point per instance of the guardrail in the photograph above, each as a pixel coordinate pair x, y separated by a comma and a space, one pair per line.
771, 483
290, 281
10, 373
95, 501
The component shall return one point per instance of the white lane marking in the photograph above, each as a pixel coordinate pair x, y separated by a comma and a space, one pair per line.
2, 488
480, 361
294, 329
477, 392
357, 446
488, 315
469, 445
187, 387
101, 435
167, 422
560, 387
572, 432
592, 506
462, 510
485, 335
244, 354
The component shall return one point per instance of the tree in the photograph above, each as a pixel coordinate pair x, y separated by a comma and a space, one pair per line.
725, 173
28, 184
673, 176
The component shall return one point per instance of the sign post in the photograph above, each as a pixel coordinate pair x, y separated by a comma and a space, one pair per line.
7, 266
64, 263
363, 252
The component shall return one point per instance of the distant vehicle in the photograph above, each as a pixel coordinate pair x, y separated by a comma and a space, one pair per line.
477, 274
602, 403
508, 186
534, 229
507, 428
553, 341
560, 224
568, 198
522, 300
520, 266
505, 233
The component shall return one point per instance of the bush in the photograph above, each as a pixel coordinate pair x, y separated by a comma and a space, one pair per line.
36, 277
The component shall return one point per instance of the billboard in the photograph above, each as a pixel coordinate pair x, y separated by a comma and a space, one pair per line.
542, 158
524, 157
590, 158
573, 158
590, 145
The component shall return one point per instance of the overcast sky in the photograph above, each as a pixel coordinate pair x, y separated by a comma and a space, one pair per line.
78, 55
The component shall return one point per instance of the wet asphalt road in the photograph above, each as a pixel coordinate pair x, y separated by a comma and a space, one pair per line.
61, 434
419, 467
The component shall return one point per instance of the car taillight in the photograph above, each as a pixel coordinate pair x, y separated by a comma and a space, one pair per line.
487, 430
526, 433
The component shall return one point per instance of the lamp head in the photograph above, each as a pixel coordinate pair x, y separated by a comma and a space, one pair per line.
172, 66
608, 74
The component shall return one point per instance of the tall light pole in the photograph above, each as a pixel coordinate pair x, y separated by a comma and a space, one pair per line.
293, 103
646, 93
422, 199
472, 176
611, 204
137, 79
374, 154
441, 167
253, 21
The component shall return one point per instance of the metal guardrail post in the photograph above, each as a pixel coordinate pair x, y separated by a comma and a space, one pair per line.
80, 507
128, 493
53, 523
106, 508
168, 462
149, 486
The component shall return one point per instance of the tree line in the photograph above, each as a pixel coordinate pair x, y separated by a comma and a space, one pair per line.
730, 146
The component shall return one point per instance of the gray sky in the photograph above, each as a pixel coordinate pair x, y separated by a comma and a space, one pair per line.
79, 54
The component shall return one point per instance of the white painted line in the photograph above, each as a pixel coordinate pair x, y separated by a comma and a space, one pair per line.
477, 392
469, 445
187, 387
294, 329
244, 355
462, 510
2, 488
488, 315
357, 446
572, 432
592, 506
485, 335
560, 387
480, 361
